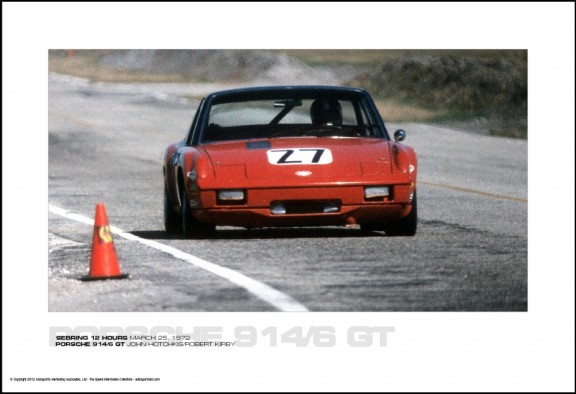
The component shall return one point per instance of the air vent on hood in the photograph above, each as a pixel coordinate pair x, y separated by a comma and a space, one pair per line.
258, 145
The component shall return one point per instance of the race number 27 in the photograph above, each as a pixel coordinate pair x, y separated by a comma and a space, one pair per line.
299, 156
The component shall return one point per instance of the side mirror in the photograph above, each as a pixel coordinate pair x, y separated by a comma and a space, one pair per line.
399, 135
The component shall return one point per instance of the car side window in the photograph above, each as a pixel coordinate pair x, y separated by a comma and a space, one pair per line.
370, 122
348, 114
194, 127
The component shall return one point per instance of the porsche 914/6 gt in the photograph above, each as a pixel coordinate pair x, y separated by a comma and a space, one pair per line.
289, 156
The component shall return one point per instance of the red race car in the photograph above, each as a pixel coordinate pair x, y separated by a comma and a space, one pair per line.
289, 156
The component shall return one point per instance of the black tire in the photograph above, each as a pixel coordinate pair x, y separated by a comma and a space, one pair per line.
171, 218
405, 227
191, 227
371, 227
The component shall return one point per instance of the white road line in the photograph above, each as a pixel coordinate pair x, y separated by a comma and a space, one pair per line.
279, 300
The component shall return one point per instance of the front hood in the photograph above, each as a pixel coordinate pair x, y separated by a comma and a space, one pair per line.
304, 157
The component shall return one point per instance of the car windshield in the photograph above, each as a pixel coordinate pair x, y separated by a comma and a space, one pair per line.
318, 116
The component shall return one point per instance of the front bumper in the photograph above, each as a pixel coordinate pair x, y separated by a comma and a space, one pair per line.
304, 206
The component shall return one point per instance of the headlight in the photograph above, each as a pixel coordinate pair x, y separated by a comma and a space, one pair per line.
376, 192
277, 208
231, 195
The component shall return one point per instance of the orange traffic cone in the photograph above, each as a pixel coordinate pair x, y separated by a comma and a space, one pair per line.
104, 263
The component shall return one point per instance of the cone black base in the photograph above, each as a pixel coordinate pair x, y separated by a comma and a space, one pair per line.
92, 278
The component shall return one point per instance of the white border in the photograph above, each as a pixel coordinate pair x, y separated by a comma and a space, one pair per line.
531, 351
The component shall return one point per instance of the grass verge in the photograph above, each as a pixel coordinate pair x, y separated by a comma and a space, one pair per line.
408, 85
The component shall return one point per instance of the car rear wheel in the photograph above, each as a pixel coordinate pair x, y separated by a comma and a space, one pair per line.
171, 218
191, 227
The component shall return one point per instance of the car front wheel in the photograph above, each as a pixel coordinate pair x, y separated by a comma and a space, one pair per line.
403, 227
191, 227
171, 218
406, 226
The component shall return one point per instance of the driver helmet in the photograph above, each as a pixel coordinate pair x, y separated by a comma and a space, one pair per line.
326, 112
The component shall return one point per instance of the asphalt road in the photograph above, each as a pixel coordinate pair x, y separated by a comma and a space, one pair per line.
106, 143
